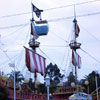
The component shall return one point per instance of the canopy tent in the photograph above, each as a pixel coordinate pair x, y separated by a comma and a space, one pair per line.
80, 96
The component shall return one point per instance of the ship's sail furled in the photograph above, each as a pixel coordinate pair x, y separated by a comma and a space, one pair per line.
35, 62
76, 59
76, 28
32, 29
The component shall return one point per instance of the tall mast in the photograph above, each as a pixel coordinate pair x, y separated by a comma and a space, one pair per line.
74, 45
33, 44
38, 28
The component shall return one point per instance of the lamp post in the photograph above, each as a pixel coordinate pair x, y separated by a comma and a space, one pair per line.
72, 84
87, 83
47, 81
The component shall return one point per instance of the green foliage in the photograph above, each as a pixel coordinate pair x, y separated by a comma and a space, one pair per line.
71, 78
3, 93
53, 87
31, 84
54, 73
92, 83
55, 76
18, 76
42, 88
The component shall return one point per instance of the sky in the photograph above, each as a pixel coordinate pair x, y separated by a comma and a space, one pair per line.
15, 18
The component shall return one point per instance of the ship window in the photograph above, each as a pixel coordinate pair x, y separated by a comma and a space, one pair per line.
42, 97
35, 97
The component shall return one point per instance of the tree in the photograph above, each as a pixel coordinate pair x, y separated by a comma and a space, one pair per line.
18, 76
42, 88
31, 84
55, 76
71, 78
54, 73
92, 83
3, 93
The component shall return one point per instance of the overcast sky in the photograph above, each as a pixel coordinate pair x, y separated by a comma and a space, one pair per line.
15, 18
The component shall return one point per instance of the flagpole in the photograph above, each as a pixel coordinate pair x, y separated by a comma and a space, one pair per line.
32, 12
34, 49
75, 42
74, 12
74, 45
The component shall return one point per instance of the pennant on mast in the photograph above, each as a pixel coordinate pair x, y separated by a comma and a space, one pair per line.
32, 29
35, 62
76, 59
76, 28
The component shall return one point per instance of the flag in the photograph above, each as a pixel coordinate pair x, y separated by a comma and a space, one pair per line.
76, 59
11, 65
37, 11
77, 29
35, 62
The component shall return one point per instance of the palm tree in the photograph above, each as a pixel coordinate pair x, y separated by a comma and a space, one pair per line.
19, 78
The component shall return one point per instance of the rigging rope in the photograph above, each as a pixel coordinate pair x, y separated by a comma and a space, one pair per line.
90, 34
12, 33
90, 55
47, 56
50, 59
52, 20
59, 37
13, 26
72, 5
50, 8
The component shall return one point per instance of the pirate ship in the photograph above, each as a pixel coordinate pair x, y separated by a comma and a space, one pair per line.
37, 64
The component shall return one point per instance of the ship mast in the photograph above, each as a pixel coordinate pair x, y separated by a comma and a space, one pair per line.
33, 44
38, 28
74, 45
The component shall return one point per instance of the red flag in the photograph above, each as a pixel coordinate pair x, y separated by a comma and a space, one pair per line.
77, 30
76, 59
32, 29
35, 62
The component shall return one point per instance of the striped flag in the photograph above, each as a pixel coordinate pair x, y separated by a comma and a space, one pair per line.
35, 62
76, 59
